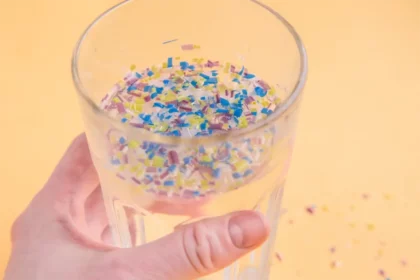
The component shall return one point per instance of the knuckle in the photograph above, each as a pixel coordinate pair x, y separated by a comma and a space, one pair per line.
198, 245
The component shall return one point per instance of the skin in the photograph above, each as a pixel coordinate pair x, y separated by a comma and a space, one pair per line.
64, 234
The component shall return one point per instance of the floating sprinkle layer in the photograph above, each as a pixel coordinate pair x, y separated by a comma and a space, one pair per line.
190, 99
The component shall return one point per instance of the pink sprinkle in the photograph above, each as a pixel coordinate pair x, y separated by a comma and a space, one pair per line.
185, 108
151, 169
147, 98
134, 94
215, 126
249, 99
381, 272
232, 68
120, 107
310, 210
125, 158
139, 125
187, 47
157, 183
365, 196
217, 98
103, 99
332, 250
173, 157
227, 92
164, 175
205, 108
264, 85
120, 176
231, 93
136, 181
131, 80
279, 257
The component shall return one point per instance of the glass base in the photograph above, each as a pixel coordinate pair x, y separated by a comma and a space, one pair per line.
133, 226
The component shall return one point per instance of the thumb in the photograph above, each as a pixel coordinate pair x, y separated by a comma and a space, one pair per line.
196, 249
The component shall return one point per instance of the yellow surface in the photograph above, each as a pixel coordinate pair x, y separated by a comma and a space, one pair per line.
358, 132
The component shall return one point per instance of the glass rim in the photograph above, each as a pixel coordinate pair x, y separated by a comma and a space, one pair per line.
176, 140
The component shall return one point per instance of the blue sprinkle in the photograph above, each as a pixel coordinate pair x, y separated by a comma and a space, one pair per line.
238, 113
236, 119
266, 111
236, 81
204, 76
194, 83
183, 125
245, 92
138, 75
214, 73
176, 133
153, 95
151, 155
148, 177
213, 105
203, 98
254, 113
124, 120
187, 160
211, 81
166, 82
172, 168
150, 73
224, 102
115, 162
173, 110
242, 71
170, 62
260, 91
222, 111
237, 175
249, 76
122, 140
184, 65
196, 193
217, 173
248, 172
169, 183
182, 114
130, 88
147, 88
192, 67
168, 117
199, 113
202, 150
237, 95
159, 90
159, 105
203, 126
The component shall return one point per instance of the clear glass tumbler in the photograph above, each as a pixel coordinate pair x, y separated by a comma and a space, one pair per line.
141, 32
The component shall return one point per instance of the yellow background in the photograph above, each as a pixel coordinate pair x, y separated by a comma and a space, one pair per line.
359, 129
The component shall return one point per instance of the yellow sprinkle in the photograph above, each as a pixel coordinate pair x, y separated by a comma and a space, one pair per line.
195, 59
157, 75
371, 227
139, 101
133, 144
200, 60
325, 208
206, 158
241, 166
163, 127
243, 122
179, 73
197, 47
116, 100
158, 161
154, 68
271, 91
121, 167
148, 162
227, 68
177, 57
133, 67
225, 126
165, 65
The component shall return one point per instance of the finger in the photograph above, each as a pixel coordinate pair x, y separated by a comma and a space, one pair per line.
193, 251
95, 213
73, 180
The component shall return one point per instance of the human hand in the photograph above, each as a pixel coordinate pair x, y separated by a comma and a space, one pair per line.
63, 233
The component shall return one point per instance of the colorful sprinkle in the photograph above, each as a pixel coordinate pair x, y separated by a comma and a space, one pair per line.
170, 41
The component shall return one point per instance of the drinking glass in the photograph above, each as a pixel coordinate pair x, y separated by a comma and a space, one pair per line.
140, 32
